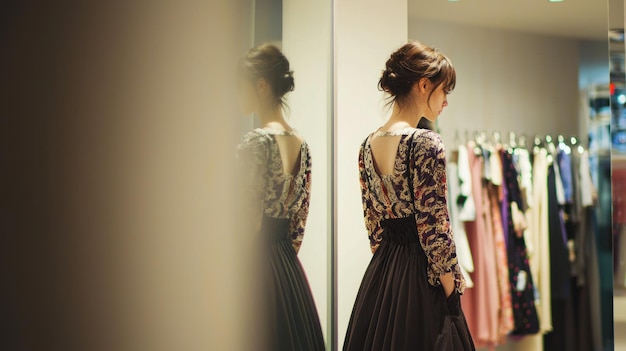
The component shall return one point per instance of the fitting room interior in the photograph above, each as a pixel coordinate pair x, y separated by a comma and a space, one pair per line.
532, 69
132, 102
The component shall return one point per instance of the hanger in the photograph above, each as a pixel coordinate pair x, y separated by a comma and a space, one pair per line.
536, 144
576, 145
521, 140
550, 143
497, 138
478, 149
512, 142
562, 145
551, 148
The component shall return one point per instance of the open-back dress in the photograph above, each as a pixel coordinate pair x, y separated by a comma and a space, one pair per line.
401, 304
280, 205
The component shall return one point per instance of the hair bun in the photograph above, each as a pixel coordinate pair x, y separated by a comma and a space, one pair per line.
393, 83
412, 62
286, 84
268, 62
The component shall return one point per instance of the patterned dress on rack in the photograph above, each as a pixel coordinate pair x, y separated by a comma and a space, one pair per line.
521, 279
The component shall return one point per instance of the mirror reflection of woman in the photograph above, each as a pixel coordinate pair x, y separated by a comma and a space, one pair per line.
276, 166
409, 298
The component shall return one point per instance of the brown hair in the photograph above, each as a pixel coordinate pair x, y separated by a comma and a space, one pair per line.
412, 62
268, 62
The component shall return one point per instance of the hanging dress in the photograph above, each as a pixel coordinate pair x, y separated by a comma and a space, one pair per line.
278, 205
401, 304
494, 192
537, 238
520, 275
481, 302
463, 250
561, 336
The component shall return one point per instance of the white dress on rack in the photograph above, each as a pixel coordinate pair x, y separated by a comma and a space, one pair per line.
463, 251
537, 237
467, 210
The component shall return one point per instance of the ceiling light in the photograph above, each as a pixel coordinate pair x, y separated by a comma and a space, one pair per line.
555, 0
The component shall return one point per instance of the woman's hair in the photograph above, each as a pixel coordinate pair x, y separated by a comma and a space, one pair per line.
409, 64
424, 123
268, 62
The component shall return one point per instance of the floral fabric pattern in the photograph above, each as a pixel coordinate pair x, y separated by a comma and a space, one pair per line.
269, 190
417, 187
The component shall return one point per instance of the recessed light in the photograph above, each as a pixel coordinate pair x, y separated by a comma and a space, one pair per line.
555, 0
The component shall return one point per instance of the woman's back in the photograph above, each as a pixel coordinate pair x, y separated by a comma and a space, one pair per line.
404, 200
409, 295
279, 167
412, 184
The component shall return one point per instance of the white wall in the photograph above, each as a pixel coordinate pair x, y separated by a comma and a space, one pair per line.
307, 43
366, 33
506, 80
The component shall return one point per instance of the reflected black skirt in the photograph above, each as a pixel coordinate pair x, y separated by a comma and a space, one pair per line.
396, 309
294, 323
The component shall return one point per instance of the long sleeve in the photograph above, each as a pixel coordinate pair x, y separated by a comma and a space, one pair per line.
251, 167
298, 220
372, 219
428, 167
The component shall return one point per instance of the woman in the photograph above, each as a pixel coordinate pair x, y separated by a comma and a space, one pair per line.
276, 163
409, 298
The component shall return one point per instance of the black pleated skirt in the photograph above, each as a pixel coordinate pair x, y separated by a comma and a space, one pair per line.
293, 324
396, 309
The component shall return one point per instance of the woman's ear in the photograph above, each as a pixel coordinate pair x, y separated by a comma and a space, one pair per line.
424, 85
262, 87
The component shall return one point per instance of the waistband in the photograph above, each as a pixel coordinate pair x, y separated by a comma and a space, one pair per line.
400, 230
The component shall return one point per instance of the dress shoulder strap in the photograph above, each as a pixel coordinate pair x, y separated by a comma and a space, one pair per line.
409, 166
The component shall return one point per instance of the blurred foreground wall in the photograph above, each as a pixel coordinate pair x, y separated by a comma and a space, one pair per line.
117, 128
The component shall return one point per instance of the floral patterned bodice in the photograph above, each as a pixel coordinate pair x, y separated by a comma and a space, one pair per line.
268, 189
421, 159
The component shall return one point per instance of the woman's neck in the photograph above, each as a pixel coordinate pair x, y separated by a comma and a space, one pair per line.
272, 117
407, 116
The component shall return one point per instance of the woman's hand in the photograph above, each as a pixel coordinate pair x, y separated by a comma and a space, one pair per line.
447, 281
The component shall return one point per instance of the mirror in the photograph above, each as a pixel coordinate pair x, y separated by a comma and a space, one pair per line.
618, 165
525, 71
301, 30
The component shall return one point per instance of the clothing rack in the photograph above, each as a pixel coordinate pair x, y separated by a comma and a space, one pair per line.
509, 190
514, 141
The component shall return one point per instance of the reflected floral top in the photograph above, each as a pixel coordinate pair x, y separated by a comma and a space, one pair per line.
270, 191
420, 158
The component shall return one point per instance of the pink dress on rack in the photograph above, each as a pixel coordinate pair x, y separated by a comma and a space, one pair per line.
505, 313
481, 302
